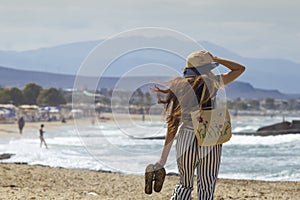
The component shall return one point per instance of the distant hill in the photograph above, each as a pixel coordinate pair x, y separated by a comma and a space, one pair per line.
64, 59
19, 78
278, 73
247, 91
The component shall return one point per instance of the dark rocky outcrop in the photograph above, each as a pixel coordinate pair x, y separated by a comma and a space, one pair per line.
281, 128
6, 156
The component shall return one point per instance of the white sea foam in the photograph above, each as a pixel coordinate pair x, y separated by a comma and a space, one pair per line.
263, 140
108, 148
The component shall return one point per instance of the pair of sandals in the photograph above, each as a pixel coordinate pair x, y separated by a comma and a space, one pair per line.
154, 173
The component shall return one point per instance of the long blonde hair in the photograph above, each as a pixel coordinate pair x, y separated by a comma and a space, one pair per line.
183, 96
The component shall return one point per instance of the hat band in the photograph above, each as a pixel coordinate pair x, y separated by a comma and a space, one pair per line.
196, 71
190, 72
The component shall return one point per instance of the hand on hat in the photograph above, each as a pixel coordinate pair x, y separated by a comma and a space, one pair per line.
214, 58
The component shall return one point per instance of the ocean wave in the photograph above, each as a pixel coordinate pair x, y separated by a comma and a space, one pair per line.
263, 140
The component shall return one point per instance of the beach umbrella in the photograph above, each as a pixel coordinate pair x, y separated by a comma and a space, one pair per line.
7, 112
8, 106
29, 107
50, 109
46, 108
76, 111
3, 112
54, 110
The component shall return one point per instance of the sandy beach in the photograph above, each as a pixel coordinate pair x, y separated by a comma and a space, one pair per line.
20, 181
39, 182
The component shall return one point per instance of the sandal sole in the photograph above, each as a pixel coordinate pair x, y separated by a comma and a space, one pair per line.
160, 175
149, 173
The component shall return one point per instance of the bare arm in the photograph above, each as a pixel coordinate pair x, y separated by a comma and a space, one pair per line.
170, 135
236, 69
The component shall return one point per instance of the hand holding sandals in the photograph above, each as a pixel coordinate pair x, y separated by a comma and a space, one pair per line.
154, 173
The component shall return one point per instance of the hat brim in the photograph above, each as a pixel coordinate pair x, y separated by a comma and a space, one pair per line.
194, 71
206, 68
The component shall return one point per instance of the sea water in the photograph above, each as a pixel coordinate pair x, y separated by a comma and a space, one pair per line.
120, 148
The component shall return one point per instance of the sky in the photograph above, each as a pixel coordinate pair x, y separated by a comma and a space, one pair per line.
256, 28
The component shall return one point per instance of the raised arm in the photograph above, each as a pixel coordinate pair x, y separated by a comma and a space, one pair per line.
236, 69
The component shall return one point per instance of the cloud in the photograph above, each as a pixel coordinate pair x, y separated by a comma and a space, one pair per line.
252, 28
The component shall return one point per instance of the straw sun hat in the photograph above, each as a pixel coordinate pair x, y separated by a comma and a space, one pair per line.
198, 63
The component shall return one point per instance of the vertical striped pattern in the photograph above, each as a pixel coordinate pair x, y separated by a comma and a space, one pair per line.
191, 156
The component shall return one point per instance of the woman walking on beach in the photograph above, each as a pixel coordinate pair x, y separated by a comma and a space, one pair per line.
42, 136
179, 103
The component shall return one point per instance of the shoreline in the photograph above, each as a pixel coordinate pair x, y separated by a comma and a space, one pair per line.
21, 181
30, 128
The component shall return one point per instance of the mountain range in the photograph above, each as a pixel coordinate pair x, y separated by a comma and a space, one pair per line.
19, 78
63, 62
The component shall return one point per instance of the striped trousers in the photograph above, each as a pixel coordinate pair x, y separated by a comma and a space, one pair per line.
191, 156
